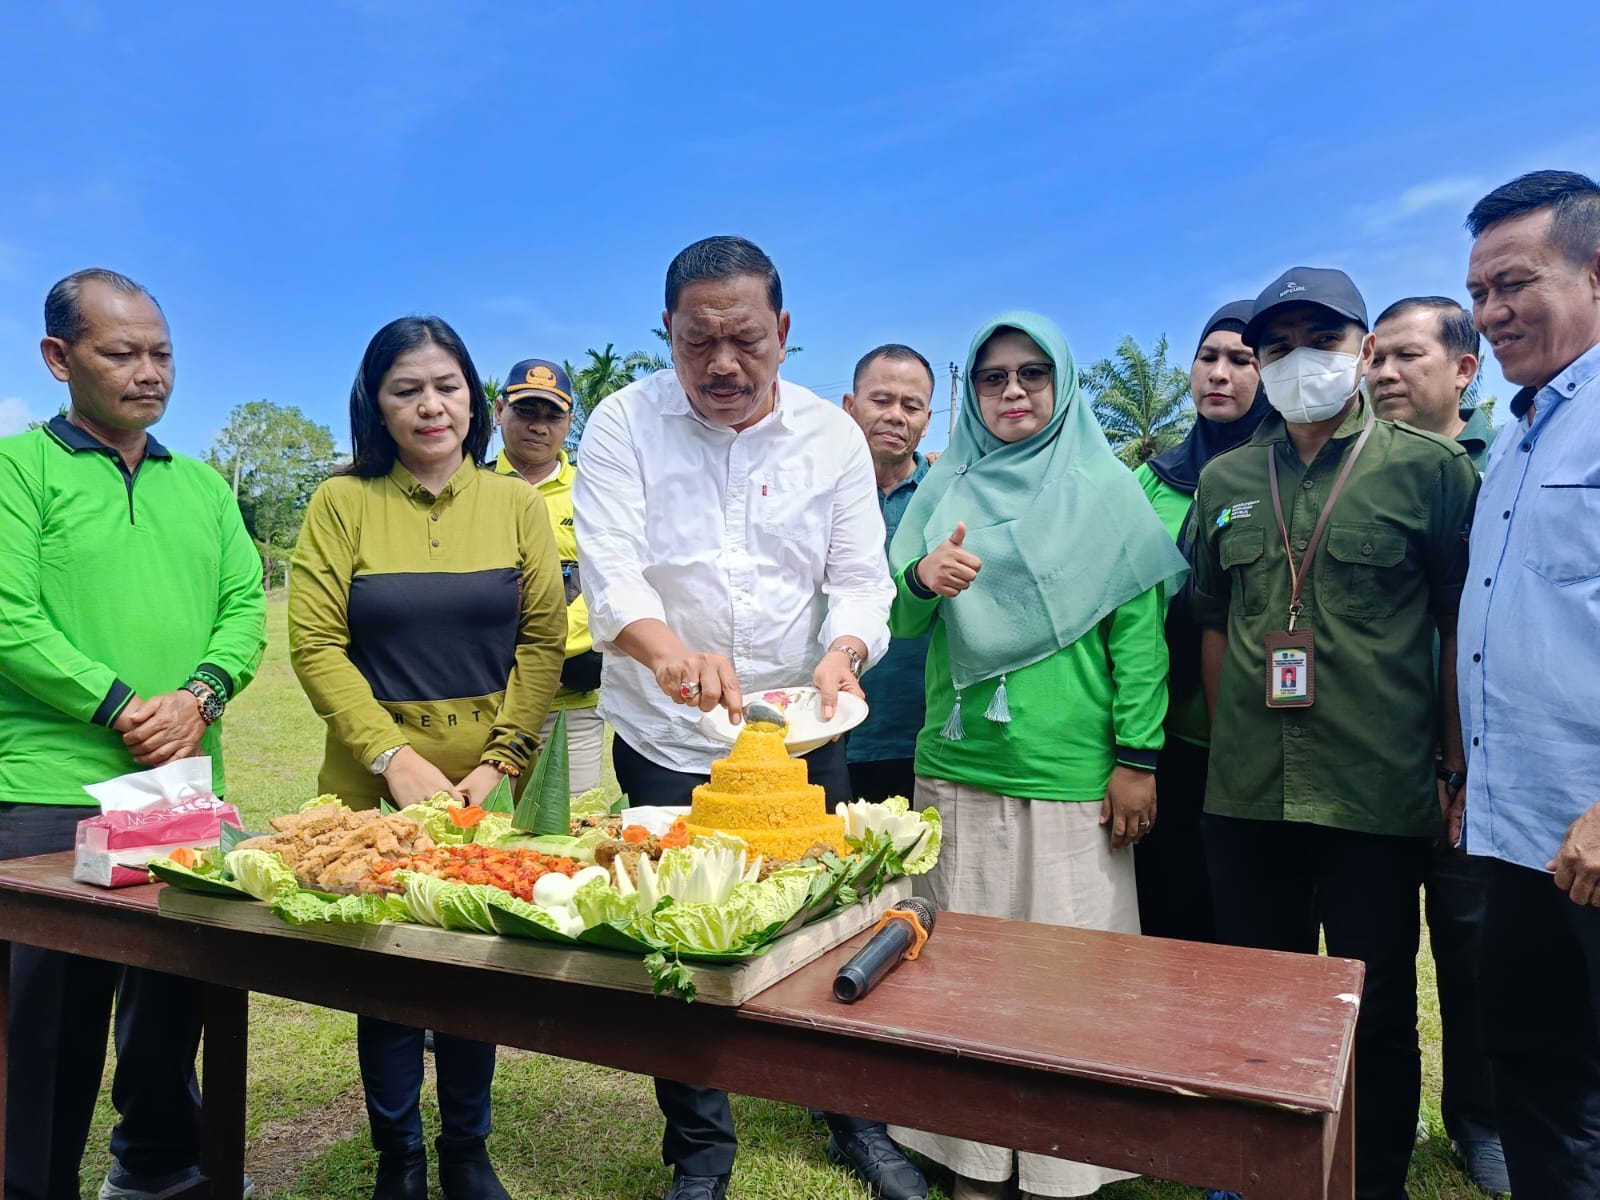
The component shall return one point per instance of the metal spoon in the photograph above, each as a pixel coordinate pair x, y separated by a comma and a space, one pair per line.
770, 714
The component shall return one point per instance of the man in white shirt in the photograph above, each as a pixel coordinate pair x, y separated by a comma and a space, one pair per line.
732, 543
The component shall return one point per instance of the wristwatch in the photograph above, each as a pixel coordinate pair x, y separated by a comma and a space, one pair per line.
381, 763
1453, 781
211, 704
849, 651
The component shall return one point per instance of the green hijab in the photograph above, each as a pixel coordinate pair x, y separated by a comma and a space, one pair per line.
1063, 530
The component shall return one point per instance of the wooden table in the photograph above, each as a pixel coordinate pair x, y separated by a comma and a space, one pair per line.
1203, 1064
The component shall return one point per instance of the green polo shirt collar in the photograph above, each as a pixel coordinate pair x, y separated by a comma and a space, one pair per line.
75, 440
466, 475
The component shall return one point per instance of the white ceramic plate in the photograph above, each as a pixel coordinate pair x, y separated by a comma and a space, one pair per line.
807, 729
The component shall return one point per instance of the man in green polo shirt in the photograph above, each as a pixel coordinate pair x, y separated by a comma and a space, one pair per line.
1317, 658
1425, 359
133, 612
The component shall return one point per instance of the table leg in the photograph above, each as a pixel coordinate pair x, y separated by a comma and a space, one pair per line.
1342, 1170
223, 1080
5, 1044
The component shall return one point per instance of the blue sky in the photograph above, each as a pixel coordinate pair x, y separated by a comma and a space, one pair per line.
287, 177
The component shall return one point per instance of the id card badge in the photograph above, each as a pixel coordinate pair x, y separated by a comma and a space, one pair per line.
1291, 669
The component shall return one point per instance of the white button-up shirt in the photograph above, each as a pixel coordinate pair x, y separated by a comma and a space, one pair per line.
763, 546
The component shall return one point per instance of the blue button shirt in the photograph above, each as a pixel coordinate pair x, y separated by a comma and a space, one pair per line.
1529, 632
895, 687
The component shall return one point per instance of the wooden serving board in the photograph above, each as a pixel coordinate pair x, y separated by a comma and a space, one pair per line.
715, 983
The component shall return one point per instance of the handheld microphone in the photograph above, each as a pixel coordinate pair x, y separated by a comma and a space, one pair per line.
898, 936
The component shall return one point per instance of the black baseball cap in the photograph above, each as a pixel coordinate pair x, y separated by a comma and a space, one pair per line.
539, 379
1323, 286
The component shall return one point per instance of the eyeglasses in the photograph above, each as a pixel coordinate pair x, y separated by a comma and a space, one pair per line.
1034, 377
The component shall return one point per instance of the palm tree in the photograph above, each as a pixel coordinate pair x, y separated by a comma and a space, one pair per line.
580, 408
1141, 400
646, 362
604, 373
491, 394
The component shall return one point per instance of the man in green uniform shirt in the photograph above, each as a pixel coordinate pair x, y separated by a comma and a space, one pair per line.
133, 614
891, 398
1425, 359
1317, 656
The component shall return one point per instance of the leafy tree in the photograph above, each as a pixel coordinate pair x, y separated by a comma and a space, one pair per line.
1485, 404
274, 456
1141, 400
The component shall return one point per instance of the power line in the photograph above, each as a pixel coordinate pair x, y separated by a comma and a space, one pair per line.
955, 394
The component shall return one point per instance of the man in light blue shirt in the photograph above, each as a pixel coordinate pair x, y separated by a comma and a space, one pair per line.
1529, 671
890, 397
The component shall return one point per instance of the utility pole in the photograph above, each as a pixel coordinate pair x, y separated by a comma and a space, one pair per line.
955, 393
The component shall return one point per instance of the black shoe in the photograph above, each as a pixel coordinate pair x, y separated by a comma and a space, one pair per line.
697, 1187
1485, 1161
882, 1165
402, 1175
465, 1172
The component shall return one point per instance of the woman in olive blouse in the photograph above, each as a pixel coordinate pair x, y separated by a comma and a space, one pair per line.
427, 624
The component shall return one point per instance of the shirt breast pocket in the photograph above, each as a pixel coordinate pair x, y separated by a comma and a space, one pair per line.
1563, 543
787, 500
1239, 552
1360, 576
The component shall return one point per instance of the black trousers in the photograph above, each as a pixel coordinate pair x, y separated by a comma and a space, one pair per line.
1455, 889
390, 1057
877, 781
1274, 884
699, 1139
1541, 1013
61, 1008
1170, 861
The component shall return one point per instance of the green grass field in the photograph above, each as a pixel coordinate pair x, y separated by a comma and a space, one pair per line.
562, 1129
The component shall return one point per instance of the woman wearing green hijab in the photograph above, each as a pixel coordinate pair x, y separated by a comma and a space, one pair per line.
1038, 566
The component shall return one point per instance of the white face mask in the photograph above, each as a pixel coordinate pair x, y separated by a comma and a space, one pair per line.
1307, 385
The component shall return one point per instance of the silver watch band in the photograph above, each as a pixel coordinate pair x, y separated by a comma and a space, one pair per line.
381, 763
856, 661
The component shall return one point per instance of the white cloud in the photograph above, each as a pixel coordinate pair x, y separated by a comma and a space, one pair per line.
14, 415
1455, 194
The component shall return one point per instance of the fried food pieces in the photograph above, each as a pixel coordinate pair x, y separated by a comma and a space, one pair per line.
330, 848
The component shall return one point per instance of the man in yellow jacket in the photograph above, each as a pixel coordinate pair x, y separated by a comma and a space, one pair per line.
534, 414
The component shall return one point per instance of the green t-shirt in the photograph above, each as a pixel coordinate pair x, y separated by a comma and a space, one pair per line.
111, 585
1074, 715
1389, 568
1187, 717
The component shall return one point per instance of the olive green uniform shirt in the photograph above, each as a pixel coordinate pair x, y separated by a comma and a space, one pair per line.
1477, 437
1389, 570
